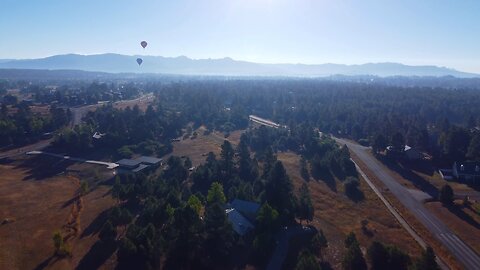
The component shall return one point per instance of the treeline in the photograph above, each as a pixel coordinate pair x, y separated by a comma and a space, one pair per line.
361, 111
19, 125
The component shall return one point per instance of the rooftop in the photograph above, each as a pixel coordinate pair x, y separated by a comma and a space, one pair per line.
140, 168
245, 206
128, 162
149, 160
240, 224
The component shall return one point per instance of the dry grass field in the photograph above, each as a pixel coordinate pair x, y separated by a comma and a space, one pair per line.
337, 215
38, 205
37, 208
198, 148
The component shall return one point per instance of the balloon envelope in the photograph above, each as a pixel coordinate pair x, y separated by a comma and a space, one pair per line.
139, 61
144, 44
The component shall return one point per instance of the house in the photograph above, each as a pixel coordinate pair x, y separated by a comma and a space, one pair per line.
248, 209
242, 215
467, 171
412, 153
127, 163
141, 163
240, 224
149, 160
408, 152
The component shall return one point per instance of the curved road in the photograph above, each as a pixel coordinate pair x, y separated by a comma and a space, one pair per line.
461, 251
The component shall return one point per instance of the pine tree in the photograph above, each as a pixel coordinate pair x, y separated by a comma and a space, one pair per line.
318, 243
279, 192
353, 258
427, 261
305, 207
307, 261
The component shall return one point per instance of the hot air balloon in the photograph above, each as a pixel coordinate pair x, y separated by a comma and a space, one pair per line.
144, 44
139, 61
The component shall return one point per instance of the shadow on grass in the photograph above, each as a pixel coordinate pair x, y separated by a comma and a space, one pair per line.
356, 195
96, 224
52, 259
69, 202
405, 172
457, 210
327, 178
97, 255
325, 266
40, 167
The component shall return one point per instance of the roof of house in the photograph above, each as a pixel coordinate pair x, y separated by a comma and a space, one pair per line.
149, 160
140, 167
128, 162
245, 207
240, 224
468, 167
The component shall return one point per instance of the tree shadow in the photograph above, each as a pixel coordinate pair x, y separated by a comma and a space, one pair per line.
422, 166
327, 178
96, 224
97, 255
52, 259
418, 181
456, 210
69, 202
6, 160
325, 266
356, 196
40, 167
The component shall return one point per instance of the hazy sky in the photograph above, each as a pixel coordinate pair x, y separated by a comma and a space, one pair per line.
418, 32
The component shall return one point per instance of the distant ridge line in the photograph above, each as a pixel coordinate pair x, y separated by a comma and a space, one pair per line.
182, 65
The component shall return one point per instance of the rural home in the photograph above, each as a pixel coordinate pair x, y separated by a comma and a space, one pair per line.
242, 215
412, 153
138, 164
467, 171
409, 152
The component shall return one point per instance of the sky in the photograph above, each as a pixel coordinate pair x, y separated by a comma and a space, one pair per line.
414, 32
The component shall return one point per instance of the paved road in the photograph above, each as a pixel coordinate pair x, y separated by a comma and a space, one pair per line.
461, 251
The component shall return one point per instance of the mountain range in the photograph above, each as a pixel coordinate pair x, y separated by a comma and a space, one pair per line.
117, 63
